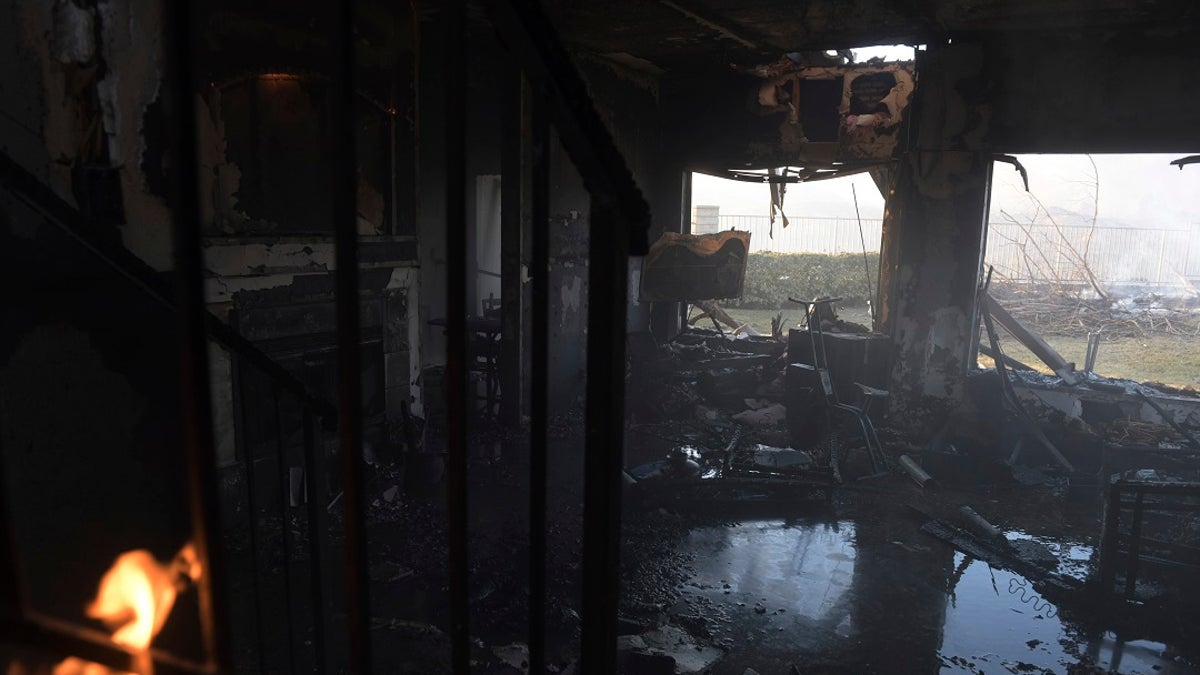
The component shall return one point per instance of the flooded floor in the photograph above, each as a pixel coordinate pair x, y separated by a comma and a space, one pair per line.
860, 589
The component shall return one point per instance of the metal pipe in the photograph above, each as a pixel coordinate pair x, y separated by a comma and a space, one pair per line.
456, 329
345, 221
539, 266
607, 303
981, 525
243, 436
196, 424
918, 474
315, 552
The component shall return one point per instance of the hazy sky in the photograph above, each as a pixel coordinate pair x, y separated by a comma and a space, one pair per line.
1134, 190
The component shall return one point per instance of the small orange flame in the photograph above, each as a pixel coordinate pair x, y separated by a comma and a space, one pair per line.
135, 597
136, 594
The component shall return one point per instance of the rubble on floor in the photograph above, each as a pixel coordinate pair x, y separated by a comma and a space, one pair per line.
742, 552
808, 591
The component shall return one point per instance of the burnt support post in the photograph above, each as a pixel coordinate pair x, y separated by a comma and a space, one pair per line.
197, 431
608, 264
933, 240
456, 330
349, 341
933, 277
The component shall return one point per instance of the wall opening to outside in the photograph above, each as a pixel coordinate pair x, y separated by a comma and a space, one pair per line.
1106, 246
816, 245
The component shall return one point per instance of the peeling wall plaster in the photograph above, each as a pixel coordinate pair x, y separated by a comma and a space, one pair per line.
133, 51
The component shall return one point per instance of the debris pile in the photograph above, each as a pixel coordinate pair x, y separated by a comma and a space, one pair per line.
1058, 310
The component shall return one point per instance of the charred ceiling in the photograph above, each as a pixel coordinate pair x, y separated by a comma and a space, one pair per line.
237, 39
689, 36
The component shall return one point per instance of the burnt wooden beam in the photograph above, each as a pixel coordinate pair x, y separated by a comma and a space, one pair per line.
1033, 342
719, 24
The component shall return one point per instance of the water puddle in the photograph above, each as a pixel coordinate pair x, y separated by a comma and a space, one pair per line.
804, 570
870, 594
997, 622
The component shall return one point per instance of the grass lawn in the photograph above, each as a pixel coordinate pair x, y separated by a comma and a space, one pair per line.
1168, 359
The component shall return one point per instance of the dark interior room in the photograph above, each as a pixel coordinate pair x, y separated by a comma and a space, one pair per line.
641, 337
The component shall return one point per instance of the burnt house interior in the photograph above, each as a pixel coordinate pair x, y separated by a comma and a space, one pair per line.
353, 337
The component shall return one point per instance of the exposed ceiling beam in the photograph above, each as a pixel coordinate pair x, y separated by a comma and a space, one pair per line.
718, 23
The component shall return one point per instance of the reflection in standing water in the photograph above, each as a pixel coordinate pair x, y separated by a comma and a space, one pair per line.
870, 596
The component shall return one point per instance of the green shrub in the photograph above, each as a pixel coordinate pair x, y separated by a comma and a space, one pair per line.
772, 277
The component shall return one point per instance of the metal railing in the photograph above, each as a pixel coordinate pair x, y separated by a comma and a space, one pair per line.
1115, 255
1129, 546
806, 234
1040, 252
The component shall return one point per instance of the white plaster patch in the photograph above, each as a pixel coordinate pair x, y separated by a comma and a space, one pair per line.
949, 326
572, 298
946, 334
403, 277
